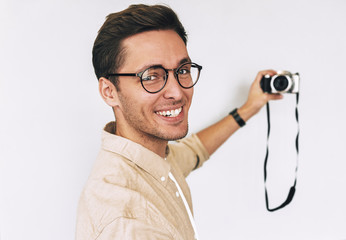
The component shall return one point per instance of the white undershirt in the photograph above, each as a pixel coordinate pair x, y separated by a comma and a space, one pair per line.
170, 175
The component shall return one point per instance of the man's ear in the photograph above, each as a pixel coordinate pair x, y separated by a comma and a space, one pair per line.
108, 92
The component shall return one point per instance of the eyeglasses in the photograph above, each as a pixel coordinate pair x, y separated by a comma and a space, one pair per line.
154, 78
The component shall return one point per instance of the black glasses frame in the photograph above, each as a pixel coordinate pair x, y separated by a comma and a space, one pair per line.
175, 71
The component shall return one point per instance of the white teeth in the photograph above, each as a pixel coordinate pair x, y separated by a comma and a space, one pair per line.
176, 111
172, 113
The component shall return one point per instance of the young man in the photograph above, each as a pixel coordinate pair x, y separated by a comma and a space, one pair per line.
137, 188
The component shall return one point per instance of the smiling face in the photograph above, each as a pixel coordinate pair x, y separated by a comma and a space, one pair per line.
144, 117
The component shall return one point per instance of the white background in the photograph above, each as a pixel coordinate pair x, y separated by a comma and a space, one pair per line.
51, 115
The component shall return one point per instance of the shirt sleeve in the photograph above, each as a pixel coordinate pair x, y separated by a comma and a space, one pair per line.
188, 153
133, 229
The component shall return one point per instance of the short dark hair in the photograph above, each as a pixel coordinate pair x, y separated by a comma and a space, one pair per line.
108, 52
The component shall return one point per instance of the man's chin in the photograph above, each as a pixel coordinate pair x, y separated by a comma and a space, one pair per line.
175, 136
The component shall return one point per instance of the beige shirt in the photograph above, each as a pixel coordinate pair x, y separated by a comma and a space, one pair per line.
130, 196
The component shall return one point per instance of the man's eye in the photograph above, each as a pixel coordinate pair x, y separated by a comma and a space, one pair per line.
150, 78
184, 71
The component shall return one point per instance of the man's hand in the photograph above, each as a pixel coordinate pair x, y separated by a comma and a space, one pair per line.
257, 98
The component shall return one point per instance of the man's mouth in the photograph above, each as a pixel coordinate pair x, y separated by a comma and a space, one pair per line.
170, 113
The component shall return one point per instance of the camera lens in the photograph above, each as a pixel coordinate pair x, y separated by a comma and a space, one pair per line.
280, 83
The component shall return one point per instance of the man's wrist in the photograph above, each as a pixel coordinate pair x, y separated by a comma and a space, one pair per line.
247, 111
237, 117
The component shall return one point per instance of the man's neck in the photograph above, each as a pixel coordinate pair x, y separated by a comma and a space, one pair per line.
152, 143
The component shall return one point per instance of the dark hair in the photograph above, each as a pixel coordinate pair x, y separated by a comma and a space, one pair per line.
108, 52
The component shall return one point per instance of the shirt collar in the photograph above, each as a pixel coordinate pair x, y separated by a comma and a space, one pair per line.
136, 153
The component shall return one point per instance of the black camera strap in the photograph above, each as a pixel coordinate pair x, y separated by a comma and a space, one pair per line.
293, 188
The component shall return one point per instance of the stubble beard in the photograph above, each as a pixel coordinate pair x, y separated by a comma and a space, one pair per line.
148, 133
155, 134
171, 137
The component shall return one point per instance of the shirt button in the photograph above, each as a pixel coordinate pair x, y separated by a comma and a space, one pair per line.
177, 194
163, 179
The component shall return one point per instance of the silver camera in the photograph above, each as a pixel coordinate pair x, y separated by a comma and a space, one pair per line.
282, 82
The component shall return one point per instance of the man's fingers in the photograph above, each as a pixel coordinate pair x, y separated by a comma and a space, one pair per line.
275, 96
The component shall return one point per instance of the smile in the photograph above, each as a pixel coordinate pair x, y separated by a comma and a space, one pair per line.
171, 113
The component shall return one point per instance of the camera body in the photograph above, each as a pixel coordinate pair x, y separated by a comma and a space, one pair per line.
282, 82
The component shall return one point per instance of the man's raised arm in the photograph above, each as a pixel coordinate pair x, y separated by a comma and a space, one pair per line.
215, 135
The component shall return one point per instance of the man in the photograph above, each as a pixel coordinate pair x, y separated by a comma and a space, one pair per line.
137, 188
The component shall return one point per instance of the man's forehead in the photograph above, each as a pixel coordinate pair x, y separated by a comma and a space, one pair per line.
163, 47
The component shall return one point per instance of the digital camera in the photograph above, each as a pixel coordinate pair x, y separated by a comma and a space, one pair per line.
282, 82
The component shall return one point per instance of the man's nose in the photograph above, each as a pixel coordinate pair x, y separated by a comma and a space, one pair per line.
173, 89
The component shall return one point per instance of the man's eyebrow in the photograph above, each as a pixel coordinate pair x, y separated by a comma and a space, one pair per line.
146, 66
184, 60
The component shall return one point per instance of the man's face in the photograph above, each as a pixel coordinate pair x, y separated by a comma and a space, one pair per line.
142, 113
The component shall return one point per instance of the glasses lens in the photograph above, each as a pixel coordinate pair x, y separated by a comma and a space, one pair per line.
188, 75
153, 79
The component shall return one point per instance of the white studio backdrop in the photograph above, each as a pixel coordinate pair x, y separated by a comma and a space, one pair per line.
51, 115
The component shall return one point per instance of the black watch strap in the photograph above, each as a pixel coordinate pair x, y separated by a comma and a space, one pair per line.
237, 118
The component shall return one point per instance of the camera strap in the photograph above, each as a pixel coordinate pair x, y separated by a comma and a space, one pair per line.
293, 188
